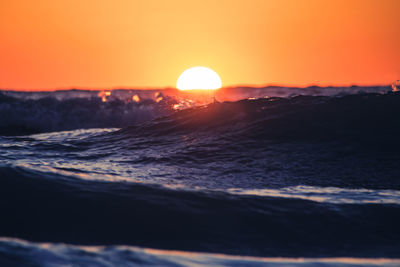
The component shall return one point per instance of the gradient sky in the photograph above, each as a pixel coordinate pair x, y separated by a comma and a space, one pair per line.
47, 44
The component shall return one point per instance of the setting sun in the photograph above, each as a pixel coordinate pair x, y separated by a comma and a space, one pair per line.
237, 132
199, 78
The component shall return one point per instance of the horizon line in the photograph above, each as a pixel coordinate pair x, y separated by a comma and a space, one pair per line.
145, 88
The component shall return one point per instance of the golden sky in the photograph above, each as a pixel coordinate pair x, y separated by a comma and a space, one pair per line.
49, 44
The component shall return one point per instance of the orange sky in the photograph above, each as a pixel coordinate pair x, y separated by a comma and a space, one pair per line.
47, 44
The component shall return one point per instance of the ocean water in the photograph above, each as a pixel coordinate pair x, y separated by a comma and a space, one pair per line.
267, 176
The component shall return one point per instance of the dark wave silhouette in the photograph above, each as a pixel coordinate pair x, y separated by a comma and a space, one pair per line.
37, 112
27, 116
54, 208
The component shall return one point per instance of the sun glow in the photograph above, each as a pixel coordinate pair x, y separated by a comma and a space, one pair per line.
199, 78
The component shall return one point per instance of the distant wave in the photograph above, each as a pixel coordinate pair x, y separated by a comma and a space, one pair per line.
27, 116
36, 112
360, 116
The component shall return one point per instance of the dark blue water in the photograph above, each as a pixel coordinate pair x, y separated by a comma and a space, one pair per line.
310, 179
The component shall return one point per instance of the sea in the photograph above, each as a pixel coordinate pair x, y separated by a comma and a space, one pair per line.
242, 176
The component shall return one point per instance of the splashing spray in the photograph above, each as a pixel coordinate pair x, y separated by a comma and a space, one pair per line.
396, 86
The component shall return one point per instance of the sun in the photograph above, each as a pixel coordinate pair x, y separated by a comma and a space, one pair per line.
199, 78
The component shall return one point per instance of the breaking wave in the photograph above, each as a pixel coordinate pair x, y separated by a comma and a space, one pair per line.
36, 112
